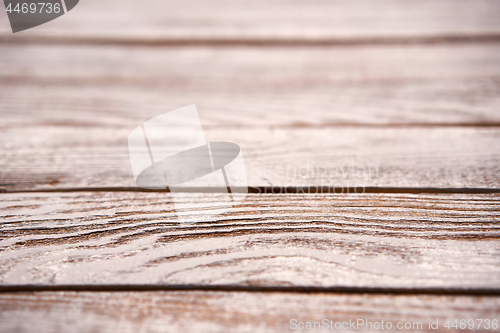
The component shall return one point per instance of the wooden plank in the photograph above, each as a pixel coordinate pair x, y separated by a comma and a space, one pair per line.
390, 241
278, 19
117, 86
68, 157
67, 110
230, 312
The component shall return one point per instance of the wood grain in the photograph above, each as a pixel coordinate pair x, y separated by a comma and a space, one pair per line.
390, 241
269, 19
123, 86
68, 157
226, 312
399, 96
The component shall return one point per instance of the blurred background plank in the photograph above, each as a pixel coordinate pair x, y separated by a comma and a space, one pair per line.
271, 20
251, 86
223, 311
72, 157
359, 240
67, 112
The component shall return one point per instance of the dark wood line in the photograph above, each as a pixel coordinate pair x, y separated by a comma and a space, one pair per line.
362, 190
489, 124
268, 289
237, 41
273, 190
368, 125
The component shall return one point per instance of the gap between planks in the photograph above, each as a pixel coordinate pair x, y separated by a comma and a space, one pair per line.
12, 81
274, 190
493, 292
239, 41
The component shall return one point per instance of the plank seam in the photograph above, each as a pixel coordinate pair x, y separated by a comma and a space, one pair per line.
268, 289
274, 190
6, 80
238, 41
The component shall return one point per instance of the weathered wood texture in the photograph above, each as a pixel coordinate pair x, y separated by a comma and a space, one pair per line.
373, 240
67, 112
270, 19
227, 312
386, 94
66, 157
241, 86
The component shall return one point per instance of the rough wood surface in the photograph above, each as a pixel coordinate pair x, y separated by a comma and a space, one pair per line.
69, 157
373, 240
270, 19
123, 86
227, 312
397, 96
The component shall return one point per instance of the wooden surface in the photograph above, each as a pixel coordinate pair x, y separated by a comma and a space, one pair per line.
225, 311
119, 86
390, 241
72, 157
274, 20
394, 105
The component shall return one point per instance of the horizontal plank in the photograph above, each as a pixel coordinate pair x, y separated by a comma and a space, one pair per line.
231, 312
390, 241
307, 19
122, 86
68, 157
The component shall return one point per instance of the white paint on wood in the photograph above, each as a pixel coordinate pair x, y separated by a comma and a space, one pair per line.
376, 240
